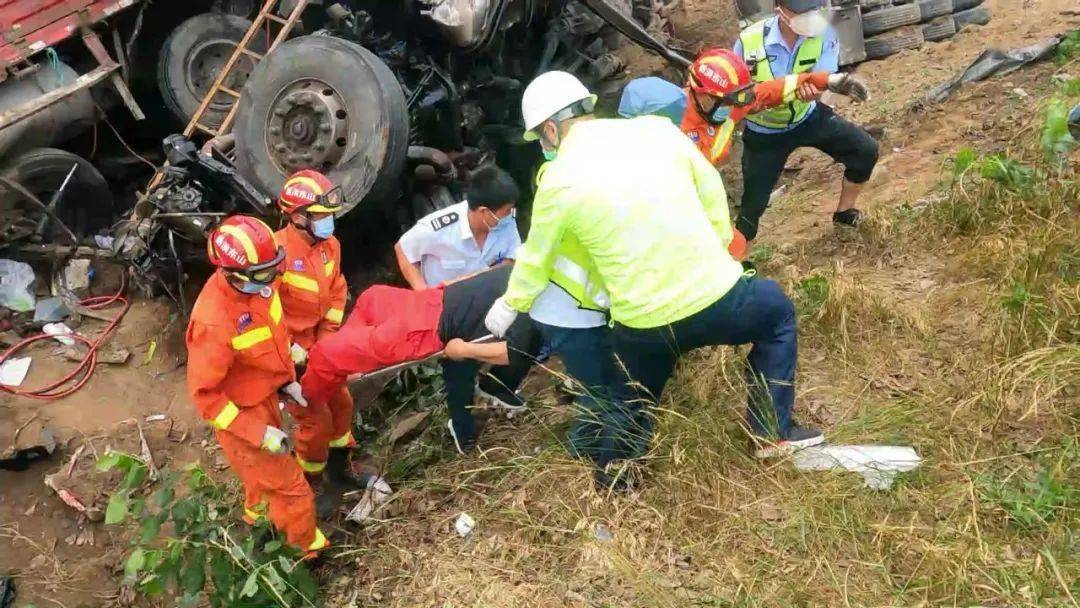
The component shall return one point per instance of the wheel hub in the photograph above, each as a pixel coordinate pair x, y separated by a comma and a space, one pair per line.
205, 63
307, 127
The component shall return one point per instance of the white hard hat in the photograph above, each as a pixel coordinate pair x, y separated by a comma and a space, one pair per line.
547, 94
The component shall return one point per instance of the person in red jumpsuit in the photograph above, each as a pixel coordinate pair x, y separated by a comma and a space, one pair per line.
239, 370
390, 325
313, 293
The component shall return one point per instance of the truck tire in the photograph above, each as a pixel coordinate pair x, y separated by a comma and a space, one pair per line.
328, 104
972, 16
939, 29
86, 205
931, 9
880, 47
963, 5
890, 18
191, 59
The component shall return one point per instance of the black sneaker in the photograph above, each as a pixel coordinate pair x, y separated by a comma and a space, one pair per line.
496, 395
797, 438
463, 447
848, 217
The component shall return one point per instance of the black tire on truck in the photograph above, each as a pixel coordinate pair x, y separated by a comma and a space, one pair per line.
328, 104
963, 5
931, 9
972, 16
86, 205
939, 29
893, 17
191, 59
880, 47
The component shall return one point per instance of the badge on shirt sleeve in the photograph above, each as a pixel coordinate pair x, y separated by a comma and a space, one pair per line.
298, 264
243, 322
694, 136
444, 220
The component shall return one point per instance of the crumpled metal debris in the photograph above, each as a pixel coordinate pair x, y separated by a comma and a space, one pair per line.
993, 62
878, 464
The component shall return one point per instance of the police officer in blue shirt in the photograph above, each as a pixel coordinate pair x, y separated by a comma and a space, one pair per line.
465, 238
797, 39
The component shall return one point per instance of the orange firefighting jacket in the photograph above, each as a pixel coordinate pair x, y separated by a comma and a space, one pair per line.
238, 357
313, 290
715, 141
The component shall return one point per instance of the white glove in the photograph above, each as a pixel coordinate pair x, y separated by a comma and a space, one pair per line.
275, 440
298, 354
500, 318
292, 390
850, 86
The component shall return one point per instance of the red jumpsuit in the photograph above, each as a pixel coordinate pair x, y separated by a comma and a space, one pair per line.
387, 326
715, 141
313, 293
238, 358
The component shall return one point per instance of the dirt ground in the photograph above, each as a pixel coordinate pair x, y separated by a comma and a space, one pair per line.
59, 564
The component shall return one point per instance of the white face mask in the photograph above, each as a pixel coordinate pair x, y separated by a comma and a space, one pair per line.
813, 23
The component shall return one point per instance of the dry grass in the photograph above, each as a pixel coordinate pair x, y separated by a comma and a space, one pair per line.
958, 336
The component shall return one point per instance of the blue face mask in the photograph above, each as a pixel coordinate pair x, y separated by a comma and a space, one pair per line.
324, 228
550, 154
250, 287
720, 114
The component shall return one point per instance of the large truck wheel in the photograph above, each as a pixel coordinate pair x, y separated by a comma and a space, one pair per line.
85, 207
191, 59
328, 104
885, 19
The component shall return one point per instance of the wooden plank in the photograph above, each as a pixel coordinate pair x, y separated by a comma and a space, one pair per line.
24, 111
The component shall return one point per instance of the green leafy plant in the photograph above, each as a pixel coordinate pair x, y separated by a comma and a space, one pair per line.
186, 544
1056, 140
1007, 171
1033, 504
962, 161
418, 387
1068, 49
811, 294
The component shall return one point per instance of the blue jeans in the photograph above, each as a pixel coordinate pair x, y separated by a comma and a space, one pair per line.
601, 418
754, 311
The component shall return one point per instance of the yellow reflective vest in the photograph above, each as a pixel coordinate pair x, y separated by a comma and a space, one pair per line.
753, 44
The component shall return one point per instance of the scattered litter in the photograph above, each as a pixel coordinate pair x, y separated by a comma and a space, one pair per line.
377, 492
85, 536
603, 533
1021, 93
156, 417
150, 350
110, 353
993, 62
105, 242
13, 371
15, 280
75, 277
60, 332
878, 464
50, 310
464, 524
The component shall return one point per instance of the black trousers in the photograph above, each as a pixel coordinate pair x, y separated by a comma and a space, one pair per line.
764, 156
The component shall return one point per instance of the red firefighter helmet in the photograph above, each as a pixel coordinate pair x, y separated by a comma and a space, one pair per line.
310, 191
245, 245
722, 74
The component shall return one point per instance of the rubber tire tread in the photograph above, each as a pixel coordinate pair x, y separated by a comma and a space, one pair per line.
939, 29
43, 170
972, 16
932, 9
172, 58
963, 5
880, 47
335, 61
890, 18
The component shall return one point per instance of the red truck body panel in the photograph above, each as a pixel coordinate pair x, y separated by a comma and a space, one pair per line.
28, 27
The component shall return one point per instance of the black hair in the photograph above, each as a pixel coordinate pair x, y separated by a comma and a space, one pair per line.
491, 187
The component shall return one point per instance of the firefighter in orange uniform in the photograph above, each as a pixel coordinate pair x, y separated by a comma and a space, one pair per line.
239, 369
313, 294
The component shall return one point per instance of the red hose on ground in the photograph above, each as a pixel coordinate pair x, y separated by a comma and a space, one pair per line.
81, 374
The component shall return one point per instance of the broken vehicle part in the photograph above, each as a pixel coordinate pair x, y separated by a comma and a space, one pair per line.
58, 122
993, 62
633, 30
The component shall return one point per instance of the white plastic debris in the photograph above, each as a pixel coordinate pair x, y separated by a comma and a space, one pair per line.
105, 242
464, 524
59, 331
13, 371
377, 492
75, 278
878, 464
15, 280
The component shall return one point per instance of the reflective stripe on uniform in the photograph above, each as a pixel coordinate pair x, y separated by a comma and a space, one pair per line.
225, 417
721, 141
574, 280
252, 337
310, 467
344, 441
252, 516
791, 87
755, 54
320, 541
299, 281
328, 268
334, 315
275, 308
245, 241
